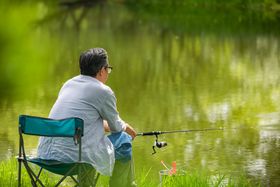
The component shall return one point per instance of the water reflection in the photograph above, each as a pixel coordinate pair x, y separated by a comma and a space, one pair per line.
7, 147
257, 167
168, 75
218, 112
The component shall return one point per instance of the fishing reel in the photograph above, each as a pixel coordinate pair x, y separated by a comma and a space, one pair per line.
158, 144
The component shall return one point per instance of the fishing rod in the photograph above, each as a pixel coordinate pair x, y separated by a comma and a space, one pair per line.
163, 144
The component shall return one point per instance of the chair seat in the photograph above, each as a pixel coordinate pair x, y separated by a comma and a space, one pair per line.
58, 167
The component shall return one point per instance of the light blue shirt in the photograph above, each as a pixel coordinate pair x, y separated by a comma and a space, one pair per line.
91, 100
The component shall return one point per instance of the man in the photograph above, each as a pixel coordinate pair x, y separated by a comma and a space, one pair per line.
86, 96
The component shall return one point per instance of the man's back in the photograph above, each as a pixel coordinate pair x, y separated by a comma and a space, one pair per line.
89, 99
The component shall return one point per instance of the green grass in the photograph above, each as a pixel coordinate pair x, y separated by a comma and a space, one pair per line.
9, 169
9, 173
197, 179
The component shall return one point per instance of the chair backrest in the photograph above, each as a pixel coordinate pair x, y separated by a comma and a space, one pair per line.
38, 126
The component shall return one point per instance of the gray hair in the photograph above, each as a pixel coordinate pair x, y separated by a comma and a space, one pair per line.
92, 61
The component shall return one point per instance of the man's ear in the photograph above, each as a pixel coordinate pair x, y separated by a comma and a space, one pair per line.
103, 70
100, 72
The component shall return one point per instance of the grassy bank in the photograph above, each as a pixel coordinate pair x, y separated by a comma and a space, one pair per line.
8, 177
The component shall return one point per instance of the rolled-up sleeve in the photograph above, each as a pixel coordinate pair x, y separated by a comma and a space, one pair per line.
110, 113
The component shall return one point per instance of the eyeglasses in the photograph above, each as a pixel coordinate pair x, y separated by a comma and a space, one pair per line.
109, 68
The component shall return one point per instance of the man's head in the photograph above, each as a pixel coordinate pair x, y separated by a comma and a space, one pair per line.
94, 62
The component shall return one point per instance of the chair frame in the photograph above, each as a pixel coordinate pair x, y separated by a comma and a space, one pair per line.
23, 159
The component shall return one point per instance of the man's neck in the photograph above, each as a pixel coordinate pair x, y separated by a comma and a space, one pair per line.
99, 78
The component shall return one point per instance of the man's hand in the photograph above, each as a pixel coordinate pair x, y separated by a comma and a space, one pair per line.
106, 126
129, 130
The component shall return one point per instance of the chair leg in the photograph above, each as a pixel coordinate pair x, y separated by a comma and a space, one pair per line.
30, 173
37, 177
32, 176
74, 179
95, 175
89, 177
19, 172
66, 175
96, 179
83, 178
79, 175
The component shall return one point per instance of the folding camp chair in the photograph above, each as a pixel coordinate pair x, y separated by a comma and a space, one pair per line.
69, 127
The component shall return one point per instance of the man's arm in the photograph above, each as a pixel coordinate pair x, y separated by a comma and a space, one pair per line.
106, 126
129, 130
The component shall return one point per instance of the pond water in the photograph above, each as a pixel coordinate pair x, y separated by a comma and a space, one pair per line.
172, 71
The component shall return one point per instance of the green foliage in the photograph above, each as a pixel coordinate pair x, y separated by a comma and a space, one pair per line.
215, 16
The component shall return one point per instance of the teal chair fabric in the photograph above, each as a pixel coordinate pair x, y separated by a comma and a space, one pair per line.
69, 127
48, 127
57, 167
